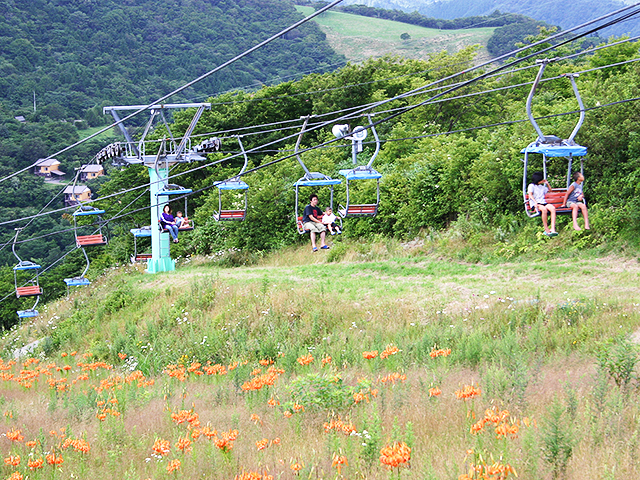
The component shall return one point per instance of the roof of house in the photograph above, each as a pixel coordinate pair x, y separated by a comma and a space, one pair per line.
57, 172
77, 190
43, 162
91, 168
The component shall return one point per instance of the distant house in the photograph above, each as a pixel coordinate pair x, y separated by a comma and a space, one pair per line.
48, 168
89, 172
74, 195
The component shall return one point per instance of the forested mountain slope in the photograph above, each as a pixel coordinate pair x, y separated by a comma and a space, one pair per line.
75, 54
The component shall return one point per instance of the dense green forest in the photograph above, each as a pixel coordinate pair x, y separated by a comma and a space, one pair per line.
76, 54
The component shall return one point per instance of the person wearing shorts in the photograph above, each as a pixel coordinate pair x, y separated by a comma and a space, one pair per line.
536, 191
312, 221
574, 199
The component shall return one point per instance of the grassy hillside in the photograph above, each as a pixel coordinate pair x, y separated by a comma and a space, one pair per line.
358, 38
301, 365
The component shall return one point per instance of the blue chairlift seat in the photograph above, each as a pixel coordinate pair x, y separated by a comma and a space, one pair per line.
555, 150
27, 265
77, 282
84, 211
28, 313
141, 232
172, 190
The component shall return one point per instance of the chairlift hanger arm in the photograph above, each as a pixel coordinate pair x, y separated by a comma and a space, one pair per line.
13, 245
244, 153
543, 65
297, 149
147, 128
194, 121
123, 129
166, 125
375, 135
572, 77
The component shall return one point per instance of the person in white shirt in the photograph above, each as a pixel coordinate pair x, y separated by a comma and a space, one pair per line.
329, 221
536, 191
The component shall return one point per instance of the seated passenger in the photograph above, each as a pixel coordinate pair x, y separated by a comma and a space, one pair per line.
168, 222
329, 221
312, 221
536, 192
574, 199
182, 222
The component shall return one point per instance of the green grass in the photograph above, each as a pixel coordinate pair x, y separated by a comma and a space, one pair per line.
359, 38
109, 134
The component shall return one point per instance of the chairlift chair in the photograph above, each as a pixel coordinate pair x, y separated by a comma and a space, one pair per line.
551, 146
360, 172
311, 179
175, 190
94, 239
170, 190
142, 232
87, 211
233, 184
31, 288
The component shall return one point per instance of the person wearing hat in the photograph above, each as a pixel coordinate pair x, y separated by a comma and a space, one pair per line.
536, 191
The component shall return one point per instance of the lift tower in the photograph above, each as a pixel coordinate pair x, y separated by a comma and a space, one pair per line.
171, 151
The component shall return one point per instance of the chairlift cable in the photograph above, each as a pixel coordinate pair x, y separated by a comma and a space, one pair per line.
326, 123
322, 146
322, 10
218, 133
289, 156
401, 96
546, 40
259, 149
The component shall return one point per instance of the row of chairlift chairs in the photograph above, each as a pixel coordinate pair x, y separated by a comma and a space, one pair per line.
310, 179
357, 173
173, 190
32, 288
549, 146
